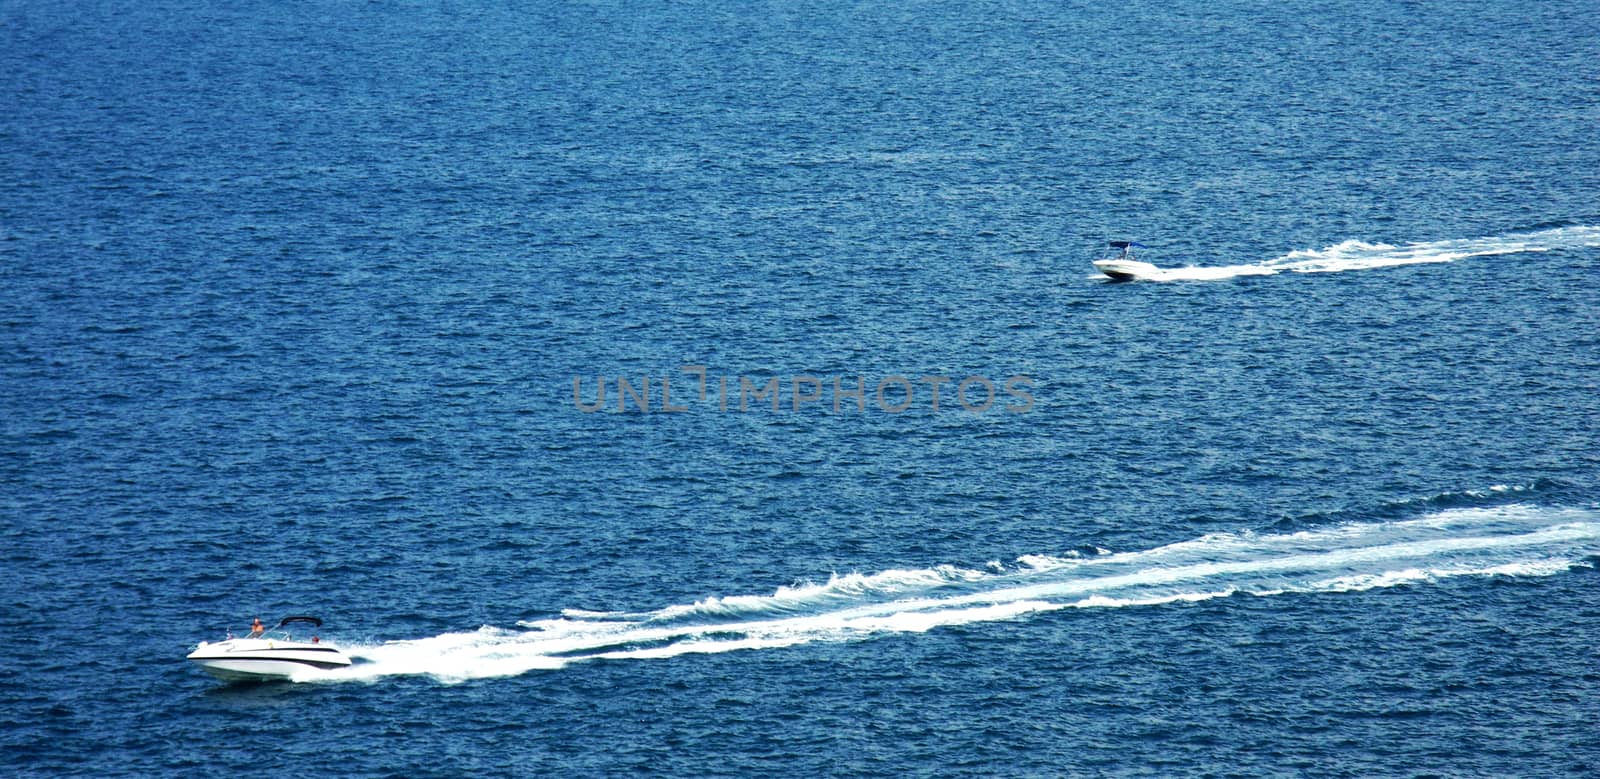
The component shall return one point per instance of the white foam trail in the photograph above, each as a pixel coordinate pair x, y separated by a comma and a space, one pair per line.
1505, 541
1359, 255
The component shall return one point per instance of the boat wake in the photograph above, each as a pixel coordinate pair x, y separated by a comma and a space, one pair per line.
1513, 540
1359, 255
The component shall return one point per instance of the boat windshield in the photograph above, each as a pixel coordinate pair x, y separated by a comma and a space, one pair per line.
1122, 250
286, 630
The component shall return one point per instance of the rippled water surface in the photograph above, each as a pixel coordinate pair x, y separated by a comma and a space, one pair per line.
307, 308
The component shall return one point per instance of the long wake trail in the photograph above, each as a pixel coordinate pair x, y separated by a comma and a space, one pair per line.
1360, 255
1514, 540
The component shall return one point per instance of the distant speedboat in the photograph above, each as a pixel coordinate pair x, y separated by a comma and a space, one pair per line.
267, 656
1123, 266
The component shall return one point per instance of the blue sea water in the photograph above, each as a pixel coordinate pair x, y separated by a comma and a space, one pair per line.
303, 303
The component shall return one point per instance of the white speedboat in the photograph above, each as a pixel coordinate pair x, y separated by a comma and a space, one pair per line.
268, 655
1123, 266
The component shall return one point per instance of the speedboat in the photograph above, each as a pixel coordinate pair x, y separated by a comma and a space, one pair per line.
1123, 266
269, 655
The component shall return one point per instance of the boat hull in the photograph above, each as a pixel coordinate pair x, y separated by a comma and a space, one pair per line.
1126, 270
244, 659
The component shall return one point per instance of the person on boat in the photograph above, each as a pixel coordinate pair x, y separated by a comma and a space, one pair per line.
256, 628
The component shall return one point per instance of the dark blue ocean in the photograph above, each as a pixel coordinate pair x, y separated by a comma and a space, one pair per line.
305, 308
